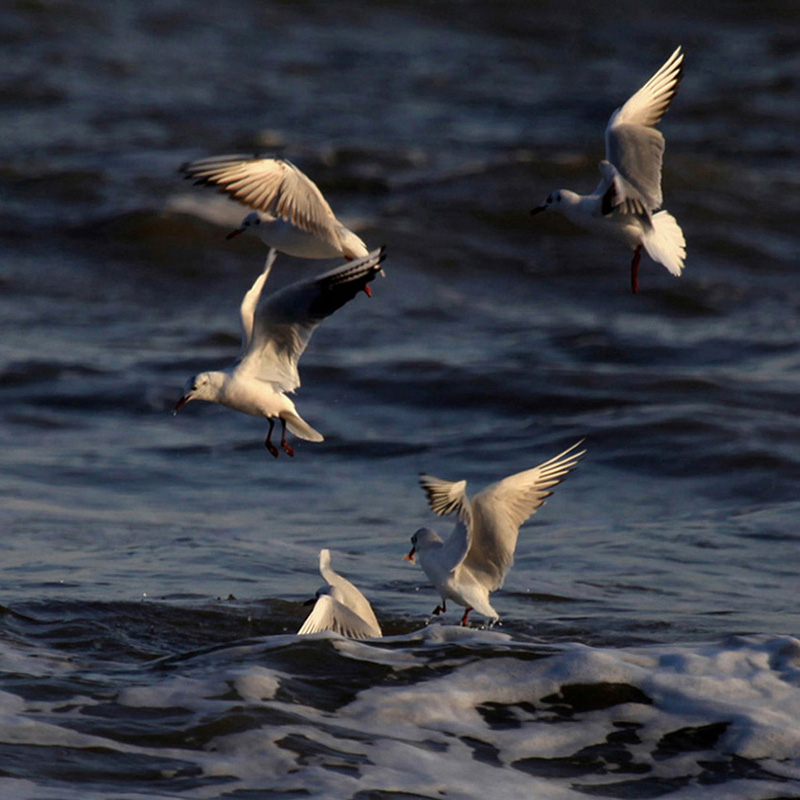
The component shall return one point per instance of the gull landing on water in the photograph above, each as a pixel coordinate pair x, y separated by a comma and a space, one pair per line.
340, 607
290, 214
475, 559
624, 203
275, 332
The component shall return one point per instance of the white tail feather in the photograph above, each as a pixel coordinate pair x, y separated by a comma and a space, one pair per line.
665, 243
300, 428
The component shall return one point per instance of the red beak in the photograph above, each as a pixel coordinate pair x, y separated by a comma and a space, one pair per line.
182, 402
410, 556
235, 233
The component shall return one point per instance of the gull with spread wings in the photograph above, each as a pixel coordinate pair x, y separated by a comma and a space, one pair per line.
275, 332
474, 560
290, 213
625, 202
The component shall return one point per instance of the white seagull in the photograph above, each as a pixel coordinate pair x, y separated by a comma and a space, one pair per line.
275, 331
624, 203
340, 607
475, 559
290, 213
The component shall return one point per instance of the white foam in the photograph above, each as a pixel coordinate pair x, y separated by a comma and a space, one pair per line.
425, 709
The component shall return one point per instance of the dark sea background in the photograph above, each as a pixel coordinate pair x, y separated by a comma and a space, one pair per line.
154, 567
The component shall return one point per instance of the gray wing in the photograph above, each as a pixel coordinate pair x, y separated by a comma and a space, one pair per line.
284, 321
633, 145
500, 509
272, 185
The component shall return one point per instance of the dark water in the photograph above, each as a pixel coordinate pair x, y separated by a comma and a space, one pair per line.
166, 553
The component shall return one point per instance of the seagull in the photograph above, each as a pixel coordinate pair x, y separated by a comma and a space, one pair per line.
275, 331
340, 607
475, 559
624, 203
290, 213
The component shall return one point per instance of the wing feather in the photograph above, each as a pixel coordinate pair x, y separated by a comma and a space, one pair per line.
500, 509
331, 615
250, 301
633, 145
445, 497
340, 607
271, 185
648, 105
284, 322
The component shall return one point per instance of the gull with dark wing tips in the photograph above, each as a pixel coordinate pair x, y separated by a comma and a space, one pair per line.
290, 213
275, 332
474, 560
340, 607
626, 200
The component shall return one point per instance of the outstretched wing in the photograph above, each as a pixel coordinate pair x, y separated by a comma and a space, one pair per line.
272, 185
500, 509
247, 310
331, 615
633, 145
284, 321
445, 497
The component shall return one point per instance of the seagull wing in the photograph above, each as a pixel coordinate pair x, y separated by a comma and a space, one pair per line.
633, 145
445, 497
250, 301
450, 497
272, 185
342, 607
500, 509
329, 614
284, 321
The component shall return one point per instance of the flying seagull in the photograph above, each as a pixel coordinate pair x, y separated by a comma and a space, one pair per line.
626, 201
290, 213
275, 332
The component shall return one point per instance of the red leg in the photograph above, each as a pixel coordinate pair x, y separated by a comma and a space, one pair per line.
637, 257
464, 618
287, 448
268, 441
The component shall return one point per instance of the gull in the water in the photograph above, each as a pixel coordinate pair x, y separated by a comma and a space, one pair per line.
275, 332
290, 213
340, 607
475, 559
626, 200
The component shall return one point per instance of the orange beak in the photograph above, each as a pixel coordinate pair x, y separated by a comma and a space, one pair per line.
410, 556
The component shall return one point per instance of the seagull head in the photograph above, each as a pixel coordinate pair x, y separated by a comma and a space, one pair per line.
200, 387
321, 591
421, 541
552, 202
253, 219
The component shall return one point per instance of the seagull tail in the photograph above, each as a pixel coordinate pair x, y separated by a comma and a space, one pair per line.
300, 428
665, 242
